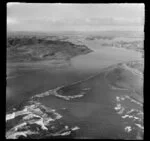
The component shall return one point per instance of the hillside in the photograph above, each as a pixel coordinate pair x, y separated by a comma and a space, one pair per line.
35, 48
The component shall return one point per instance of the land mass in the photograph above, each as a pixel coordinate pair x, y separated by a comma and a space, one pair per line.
133, 45
35, 48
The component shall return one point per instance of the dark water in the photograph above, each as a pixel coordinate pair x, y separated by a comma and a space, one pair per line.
94, 113
38, 81
103, 57
33, 81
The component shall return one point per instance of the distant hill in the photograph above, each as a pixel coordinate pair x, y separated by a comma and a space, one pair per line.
29, 47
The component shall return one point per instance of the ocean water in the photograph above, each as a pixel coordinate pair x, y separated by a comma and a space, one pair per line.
94, 114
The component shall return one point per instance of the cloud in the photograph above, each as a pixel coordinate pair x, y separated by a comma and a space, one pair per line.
116, 21
11, 21
124, 21
45, 21
132, 5
10, 4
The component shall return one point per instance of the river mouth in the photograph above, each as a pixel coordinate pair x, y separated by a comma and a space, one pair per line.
88, 105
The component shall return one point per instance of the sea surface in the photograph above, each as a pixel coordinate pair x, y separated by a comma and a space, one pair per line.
94, 114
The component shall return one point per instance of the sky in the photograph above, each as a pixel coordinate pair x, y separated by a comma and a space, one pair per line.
74, 17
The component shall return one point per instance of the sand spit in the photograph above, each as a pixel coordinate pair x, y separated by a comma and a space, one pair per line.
82, 93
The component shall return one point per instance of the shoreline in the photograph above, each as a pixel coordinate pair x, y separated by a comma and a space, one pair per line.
80, 81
